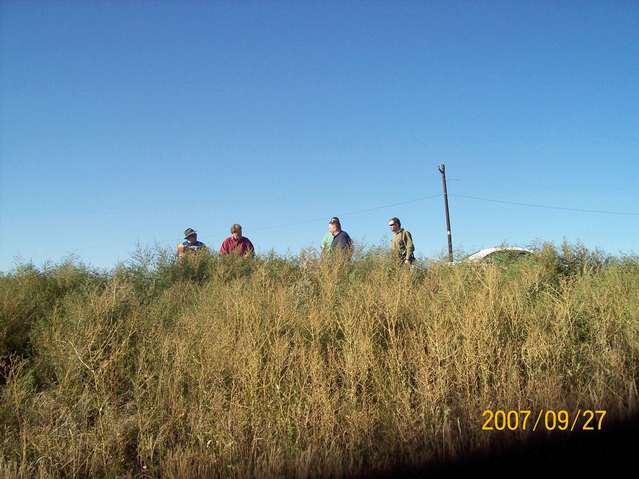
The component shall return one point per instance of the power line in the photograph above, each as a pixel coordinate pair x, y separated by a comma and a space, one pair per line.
470, 197
549, 207
351, 213
415, 200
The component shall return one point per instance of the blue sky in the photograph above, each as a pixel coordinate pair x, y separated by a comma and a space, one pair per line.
123, 123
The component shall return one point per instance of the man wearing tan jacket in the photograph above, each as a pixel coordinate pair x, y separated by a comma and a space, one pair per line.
402, 245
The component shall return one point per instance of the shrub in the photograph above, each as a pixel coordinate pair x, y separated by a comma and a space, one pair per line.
222, 366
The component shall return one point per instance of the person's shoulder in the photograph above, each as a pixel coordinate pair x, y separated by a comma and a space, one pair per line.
342, 238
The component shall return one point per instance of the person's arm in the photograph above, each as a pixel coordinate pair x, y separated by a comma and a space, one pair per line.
410, 247
343, 241
350, 241
180, 249
224, 248
250, 250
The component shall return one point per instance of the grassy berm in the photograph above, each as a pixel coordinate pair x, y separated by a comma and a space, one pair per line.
231, 367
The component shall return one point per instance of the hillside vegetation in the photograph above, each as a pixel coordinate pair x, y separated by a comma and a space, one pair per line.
231, 367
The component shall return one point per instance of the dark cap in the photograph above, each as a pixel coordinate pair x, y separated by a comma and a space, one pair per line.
334, 221
188, 232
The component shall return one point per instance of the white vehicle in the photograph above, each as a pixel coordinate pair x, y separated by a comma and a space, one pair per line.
486, 254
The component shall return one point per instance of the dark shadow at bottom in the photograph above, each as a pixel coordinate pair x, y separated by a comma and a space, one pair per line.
614, 448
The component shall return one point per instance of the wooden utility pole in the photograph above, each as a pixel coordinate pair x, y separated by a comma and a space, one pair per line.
442, 170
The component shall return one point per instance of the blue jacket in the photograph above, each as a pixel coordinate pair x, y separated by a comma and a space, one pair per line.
342, 240
194, 246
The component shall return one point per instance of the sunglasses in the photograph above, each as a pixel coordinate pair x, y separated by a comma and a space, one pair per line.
391, 224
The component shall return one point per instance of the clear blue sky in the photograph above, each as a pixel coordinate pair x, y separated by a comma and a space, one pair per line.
126, 122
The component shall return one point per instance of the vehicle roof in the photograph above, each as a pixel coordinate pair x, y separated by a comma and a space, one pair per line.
481, 254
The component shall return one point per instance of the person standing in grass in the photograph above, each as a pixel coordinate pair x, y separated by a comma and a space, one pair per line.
237, 244
341, 240
402, 246
190, 243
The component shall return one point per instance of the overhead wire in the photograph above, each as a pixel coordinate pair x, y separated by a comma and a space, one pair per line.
550, 207
349, 213
453, 195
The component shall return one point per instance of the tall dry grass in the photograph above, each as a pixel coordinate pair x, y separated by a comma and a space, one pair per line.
227, 367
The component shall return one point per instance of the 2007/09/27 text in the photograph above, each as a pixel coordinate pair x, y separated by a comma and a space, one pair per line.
546, 419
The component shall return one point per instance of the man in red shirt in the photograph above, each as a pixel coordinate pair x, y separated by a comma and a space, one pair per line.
237, 244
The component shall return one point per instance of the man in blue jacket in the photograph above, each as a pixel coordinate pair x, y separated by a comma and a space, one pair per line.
341, 240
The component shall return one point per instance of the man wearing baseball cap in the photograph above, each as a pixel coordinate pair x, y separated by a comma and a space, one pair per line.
190, 243
402, 244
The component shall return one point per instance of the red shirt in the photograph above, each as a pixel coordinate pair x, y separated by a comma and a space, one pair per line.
241, 246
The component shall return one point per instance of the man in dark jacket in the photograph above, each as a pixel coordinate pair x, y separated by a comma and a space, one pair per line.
341, 240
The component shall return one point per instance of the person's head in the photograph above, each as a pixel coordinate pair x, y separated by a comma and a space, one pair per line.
334, 226
190, 235
394, 224
236, 231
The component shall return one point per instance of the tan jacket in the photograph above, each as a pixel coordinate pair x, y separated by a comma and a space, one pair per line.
402, 246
